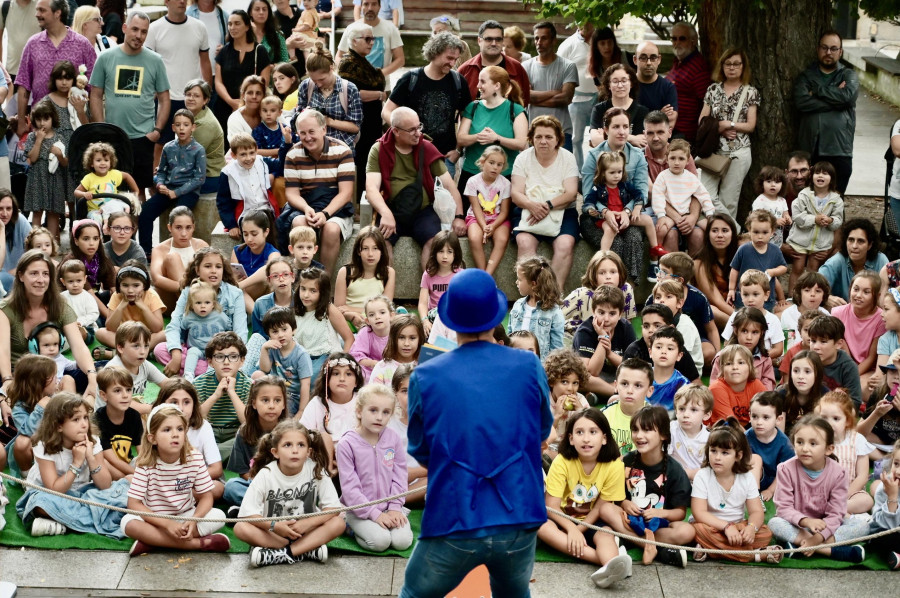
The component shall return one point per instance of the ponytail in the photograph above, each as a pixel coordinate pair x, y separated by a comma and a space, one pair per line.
514, 94
263, 454
318, 453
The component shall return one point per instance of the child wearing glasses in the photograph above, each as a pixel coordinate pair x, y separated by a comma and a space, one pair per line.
224, 388
121, 246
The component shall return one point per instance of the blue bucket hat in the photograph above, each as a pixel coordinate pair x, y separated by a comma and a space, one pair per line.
472, 302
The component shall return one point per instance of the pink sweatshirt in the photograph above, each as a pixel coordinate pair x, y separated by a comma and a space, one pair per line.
798, 496
371, 472
368, 345
677, 190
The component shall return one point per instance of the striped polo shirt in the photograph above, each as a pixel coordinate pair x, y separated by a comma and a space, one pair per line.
222, 414
334, 166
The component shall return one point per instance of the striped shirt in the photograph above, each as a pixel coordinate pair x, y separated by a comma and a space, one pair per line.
333, 105
677, 190
334, 166
691, 79
168, 488
222, 414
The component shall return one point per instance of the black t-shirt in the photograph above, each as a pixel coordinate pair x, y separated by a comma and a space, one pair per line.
649, 487
436, 102
888, 427
286, 24
685, 365
636, 114
585, 341
123, 438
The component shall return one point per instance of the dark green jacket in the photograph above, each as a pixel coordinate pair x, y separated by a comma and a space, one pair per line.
827, 112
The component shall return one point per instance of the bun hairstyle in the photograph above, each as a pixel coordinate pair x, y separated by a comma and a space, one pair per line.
319, 59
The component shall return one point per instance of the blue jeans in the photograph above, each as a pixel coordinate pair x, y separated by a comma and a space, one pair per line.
567, 144
438, 565
235, 489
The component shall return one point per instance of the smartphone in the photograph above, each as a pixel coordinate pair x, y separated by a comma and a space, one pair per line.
239, 271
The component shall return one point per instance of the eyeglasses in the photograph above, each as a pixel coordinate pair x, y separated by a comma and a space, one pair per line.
645, 58
798, 171
281, 275
830, 49
368, 39
413, 130
98, 19
492, 40
680, 38
222, 357
732, 65
619, 82
122, 229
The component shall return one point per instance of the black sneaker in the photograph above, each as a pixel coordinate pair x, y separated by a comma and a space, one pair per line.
233, 512
262, 557
670, 556
849, 554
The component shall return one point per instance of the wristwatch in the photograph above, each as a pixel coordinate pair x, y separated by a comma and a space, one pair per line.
732, 124
460, 217
327, 215
549, 204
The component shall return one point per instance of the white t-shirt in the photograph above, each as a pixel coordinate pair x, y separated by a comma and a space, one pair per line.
85, 307
402, 431
341, 420
179, 45
387, 37
527, 165
204, 440
789, 319
273, 494
577, 50
210, 20
147, 372
62, 460
894, 188
689, 450
728, 506
774, 332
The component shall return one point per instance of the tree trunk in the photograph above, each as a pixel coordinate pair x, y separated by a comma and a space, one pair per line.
779, 37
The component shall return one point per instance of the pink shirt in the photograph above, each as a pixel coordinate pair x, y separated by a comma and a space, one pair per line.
436, 286
858, 333
798, 495
368, 345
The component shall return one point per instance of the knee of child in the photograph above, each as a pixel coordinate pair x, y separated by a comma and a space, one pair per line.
402, 539
22, 445
379, 541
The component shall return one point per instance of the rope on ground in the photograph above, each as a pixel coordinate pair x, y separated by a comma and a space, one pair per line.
92, 503
606, 530
770, 549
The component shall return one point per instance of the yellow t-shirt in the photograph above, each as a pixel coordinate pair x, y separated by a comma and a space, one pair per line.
621, 426
97, 184
290, 102
132, 312
578, 491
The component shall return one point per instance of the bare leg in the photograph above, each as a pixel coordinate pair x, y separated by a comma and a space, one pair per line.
22, 452
108, 337
501, 240
426, 251
526, 245
331, 246
646, 223
551, 534
860, 503
563, 248
670, 243
695, 240
154, 536
156, 338
53, 224
797, 265
709, 352
37, 218
476, 245
609, 235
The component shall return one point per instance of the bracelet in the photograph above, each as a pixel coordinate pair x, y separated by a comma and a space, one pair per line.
893, 502
549, 204
327, 215
91, 372
272, 526
75, 470
96, 470
756, 527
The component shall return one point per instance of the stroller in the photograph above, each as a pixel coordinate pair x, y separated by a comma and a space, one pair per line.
90, 133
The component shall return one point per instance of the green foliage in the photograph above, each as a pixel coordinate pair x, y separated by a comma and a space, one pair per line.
881, 10
612, 11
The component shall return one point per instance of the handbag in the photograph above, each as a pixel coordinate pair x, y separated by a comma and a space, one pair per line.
406, 204
714, 163
548, 226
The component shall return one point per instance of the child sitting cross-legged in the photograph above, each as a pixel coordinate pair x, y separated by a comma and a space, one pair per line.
723, 490
120, 426
666, 348
224, 388
693, 405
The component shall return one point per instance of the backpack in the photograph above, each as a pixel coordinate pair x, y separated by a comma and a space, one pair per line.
414, 80
342, 97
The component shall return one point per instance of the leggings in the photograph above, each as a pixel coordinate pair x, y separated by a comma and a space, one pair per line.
372, 536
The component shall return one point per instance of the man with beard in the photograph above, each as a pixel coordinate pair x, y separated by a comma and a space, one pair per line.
490, 42
797, 173
387, 50
690, 75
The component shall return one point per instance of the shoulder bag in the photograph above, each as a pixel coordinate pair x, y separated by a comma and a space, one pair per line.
718, 164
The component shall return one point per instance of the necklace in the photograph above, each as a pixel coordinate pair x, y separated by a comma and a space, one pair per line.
726, 494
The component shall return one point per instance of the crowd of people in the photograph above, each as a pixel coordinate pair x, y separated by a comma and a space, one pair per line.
290, 383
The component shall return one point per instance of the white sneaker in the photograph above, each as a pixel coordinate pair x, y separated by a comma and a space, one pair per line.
47, 527
624, 552
615, 570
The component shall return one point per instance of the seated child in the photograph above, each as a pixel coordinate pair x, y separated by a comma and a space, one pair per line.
308, 25
285, 358
718, 513
666, 348
803, 323
405, 341
863, 324
487, 218
539, 304
121, 247
654, 317
134, 301
33, 383
372, 465
51, 342
99, 162
889, 341
244, 184
368, 348
604, 268
132, 347
826, 333
202, 320
749, 329
443, 263
275, 476
693, 406
802, 389
362, 279
760, 254
767, 441
886, 514
224, 388
674, 188
585, 482
738, 384
41, 238
602, 339
73, 275
882, 425
671, 293
417, 475
566, 373
755, 293
809, 294
120, 426
269, 135
634, 384
303, 246
251, 256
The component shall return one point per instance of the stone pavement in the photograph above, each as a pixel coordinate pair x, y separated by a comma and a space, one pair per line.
38, 572
874, 119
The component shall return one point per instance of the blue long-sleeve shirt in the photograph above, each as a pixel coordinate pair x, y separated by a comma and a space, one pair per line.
635, 167
182, 168
230, 297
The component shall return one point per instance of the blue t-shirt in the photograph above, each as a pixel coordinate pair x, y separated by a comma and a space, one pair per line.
657, 94
777, 451
664, 394
200, 330
293, 368
267, 139
252, 262
747, 258
696, 307
888, 343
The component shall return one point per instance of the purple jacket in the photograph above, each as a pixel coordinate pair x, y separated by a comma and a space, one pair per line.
799, 496
371, 472
368, 346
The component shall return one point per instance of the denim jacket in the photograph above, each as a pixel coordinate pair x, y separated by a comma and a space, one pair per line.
194, 11
546, 325
598, 198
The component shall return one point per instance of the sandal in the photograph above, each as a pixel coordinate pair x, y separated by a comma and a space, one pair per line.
102, 354
769, 554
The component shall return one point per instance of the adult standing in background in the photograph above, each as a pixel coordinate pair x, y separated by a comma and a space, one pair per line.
323, 91
553, 80
387, 49
391, 10
15, 227
825, 95
730, 92
618, 88
183, 44
577, 49
19, 21
88, 22
215, 19
605, 52
451, 24
132, 81
514, 42
497, 472
798, 174
113, 13
655, 92
490, 43
265, 28
56, 42
690, 75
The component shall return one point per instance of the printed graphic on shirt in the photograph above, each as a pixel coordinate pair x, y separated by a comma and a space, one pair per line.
435, 108
184, 484
122, 446
129, 80
439, 288
376, 56
623, 441
644, 492
293, 501
580, 501
388, 459
489, 207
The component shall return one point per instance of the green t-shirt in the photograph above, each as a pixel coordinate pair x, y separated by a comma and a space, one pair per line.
620, 425
404, 172
497, 119
130, 84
